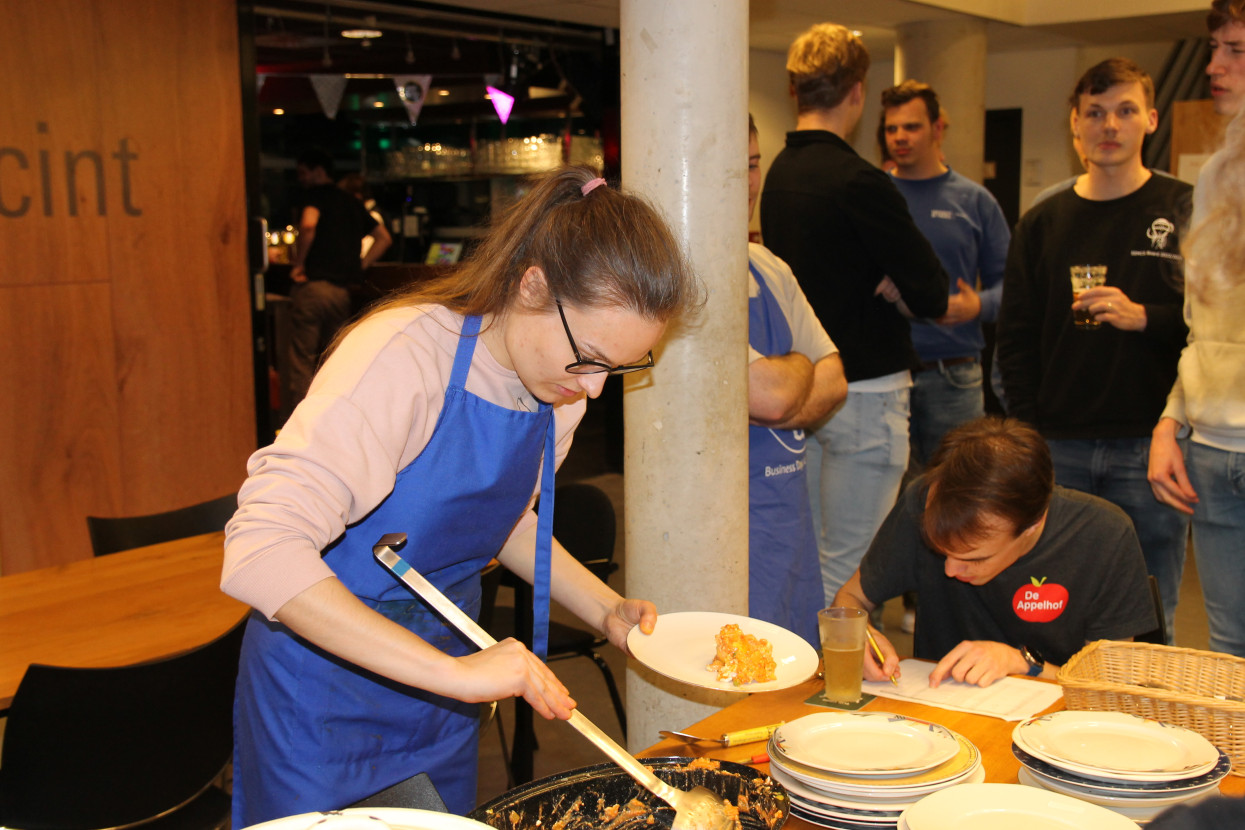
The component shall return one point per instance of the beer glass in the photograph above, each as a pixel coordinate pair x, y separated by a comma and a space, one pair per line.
1085, 277
843, 649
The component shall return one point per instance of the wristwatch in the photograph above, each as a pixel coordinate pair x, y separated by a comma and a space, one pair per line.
1035, 661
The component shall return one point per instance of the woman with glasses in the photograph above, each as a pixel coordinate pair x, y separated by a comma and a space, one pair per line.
442, 413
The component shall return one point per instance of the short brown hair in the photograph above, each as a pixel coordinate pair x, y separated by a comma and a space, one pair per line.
1223, 12
909, 90
1113, 71
823, 64
987, 469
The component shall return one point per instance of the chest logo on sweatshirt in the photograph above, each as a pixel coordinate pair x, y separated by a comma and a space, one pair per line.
1040, 601
1159, 230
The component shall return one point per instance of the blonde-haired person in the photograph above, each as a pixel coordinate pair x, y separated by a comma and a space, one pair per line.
843, 227
441, 414
1206, 476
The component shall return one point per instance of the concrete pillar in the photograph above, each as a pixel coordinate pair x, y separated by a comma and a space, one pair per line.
684, 145
950, 56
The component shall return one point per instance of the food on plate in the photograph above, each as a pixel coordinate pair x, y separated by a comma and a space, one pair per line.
742, 658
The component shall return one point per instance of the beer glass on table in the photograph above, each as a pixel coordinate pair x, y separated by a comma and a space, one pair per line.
843, 649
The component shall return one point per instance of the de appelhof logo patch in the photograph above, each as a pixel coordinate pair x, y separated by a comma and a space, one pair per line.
1039, 601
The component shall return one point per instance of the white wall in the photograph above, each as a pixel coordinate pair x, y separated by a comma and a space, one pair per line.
1039, 82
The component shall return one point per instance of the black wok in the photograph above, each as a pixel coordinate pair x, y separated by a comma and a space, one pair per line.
577, 799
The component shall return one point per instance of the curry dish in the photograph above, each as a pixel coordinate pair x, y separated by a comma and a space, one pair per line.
742, 658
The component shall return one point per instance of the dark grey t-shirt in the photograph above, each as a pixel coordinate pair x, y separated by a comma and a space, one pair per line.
1084, 580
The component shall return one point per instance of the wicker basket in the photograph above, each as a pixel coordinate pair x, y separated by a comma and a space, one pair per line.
1199, 690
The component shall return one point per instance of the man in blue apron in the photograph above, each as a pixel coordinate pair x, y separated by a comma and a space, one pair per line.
795, 378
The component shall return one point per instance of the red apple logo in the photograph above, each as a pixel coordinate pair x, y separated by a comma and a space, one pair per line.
1039, 602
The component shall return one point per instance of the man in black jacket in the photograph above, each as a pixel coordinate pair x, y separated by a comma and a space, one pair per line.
841, 225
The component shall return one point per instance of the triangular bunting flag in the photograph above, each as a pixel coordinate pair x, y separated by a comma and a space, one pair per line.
412, 89
329, 89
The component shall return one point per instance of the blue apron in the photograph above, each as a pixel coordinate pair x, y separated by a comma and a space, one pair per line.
784, 574
315, 732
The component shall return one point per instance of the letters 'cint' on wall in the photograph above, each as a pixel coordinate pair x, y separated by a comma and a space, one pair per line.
28, 176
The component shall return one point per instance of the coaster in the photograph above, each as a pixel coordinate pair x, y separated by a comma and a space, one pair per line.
819, 699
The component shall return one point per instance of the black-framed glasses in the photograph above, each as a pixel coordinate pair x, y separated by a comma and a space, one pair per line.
594, 367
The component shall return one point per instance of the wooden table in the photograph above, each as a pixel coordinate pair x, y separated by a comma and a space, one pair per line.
991, 735
114, 610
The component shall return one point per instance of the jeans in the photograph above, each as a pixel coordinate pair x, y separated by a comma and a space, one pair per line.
1218, 477
318, 308
943, 398
1115, 469
854, 469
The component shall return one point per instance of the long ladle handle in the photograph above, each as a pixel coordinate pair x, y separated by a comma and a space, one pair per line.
383, 550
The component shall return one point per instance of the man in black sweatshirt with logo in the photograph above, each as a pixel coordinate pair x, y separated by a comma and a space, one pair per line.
1095, 389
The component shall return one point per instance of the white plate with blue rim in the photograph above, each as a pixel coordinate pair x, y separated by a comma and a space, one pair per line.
1133, 789
1116, 745
866, 743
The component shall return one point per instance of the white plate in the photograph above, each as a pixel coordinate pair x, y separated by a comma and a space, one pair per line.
856, 802
373, 818
1118, 744
914, 784
1139, 789
866, 742
1139, 806
1010, 806
684, 643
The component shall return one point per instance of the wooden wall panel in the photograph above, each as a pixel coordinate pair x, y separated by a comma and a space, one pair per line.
136, 290
1196, 128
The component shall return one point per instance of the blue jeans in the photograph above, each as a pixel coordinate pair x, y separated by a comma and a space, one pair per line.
1218, 477
943, 398
854, 469
1115, 469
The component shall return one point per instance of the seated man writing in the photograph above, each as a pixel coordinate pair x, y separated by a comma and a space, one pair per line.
1013, 575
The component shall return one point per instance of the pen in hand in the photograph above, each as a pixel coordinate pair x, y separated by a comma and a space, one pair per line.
878, 652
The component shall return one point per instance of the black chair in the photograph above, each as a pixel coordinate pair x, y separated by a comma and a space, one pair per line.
584, 522
1159, 635
117, 747
110, 535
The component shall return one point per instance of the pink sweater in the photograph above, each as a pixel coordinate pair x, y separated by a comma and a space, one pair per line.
371, 410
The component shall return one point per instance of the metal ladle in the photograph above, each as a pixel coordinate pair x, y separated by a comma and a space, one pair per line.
695, 809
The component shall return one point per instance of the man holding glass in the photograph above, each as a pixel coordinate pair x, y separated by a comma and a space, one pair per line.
1095, 390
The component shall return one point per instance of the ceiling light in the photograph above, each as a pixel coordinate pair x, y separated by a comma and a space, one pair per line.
443, 92
278, 111
362, 34
856, 32
378, 104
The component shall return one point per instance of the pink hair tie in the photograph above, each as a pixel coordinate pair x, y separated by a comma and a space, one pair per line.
591, 186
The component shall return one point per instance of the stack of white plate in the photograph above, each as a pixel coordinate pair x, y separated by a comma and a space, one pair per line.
860, 770
1128, 764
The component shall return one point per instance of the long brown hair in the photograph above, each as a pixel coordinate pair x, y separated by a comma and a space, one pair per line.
603, 249
1214, 249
